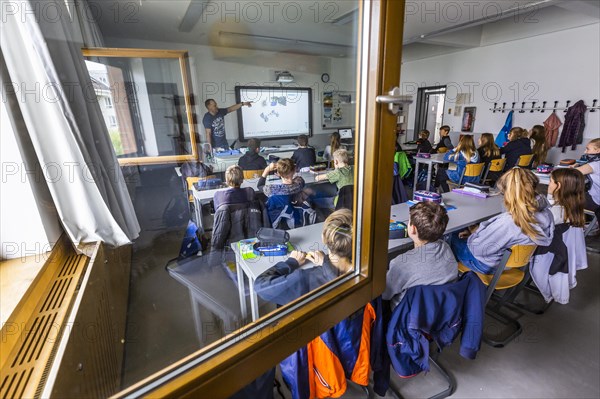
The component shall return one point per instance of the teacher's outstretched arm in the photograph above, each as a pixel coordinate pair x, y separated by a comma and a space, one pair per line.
237, 106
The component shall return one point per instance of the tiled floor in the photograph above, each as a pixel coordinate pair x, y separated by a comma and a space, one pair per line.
557, 356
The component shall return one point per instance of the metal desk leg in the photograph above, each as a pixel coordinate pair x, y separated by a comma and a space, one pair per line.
428, 184
253, 301
416, 174
198, 212
241, 287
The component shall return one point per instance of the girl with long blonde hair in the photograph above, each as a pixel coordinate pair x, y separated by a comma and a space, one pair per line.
527, 221
488, 150
464, 153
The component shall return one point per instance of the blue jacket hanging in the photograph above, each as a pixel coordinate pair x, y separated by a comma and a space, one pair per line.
502, 136
439, 313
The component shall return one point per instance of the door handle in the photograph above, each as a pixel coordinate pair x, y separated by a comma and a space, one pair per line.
394, 99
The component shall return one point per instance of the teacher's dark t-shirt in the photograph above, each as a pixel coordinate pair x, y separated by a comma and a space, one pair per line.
216, 124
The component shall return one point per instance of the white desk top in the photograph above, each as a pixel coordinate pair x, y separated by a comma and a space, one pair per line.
305, 239
469, 210
309, 178
435, 158
543, 177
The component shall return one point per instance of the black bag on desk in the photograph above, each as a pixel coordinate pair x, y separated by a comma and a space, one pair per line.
196, 169
269, 236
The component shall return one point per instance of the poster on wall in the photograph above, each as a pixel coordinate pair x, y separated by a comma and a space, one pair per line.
468, 120
339, 109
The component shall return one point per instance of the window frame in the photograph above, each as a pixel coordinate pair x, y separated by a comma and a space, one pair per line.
182, 56
255, 348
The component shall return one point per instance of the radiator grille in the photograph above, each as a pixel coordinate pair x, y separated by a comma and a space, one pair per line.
24, 368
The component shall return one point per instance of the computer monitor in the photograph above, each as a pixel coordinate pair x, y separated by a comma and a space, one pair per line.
345, 133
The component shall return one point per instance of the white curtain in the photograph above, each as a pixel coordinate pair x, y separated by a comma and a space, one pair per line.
58, 104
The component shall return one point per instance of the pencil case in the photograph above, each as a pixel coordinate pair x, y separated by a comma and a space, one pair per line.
427, 196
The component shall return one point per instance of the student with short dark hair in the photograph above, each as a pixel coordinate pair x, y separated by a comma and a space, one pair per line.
423, 143
305, 155
445, 141
251, 160
431, 262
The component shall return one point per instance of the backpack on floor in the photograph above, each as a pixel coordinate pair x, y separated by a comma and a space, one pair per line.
191, 243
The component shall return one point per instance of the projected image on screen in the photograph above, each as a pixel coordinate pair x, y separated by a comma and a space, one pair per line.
276, 112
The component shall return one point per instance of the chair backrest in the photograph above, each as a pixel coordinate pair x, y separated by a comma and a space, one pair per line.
474, 169
525, 160
345, 198
515, 257
497, 165
190, 186
252, 174
442, 150
520, 255
234, 222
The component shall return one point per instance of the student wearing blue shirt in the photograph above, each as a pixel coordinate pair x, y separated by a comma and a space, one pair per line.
214, 123
464, 153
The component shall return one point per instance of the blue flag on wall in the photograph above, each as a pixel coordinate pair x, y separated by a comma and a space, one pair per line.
502, 137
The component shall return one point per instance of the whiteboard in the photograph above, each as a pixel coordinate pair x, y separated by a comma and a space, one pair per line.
276, 112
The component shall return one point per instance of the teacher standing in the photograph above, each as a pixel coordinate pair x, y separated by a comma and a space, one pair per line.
215, 124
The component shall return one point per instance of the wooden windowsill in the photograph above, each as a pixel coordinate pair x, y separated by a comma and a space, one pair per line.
16, 276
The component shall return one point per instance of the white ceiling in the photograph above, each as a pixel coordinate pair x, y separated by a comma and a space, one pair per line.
432, 27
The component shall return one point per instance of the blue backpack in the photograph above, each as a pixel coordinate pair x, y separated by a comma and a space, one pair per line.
191, 243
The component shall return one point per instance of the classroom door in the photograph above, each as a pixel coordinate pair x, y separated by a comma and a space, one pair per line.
360, 54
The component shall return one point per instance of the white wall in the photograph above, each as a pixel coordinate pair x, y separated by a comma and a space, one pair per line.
29, 223
216, 71
552, 67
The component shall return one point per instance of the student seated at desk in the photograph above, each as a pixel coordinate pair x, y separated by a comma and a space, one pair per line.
527, 221
489, 151
334, 145
320, 368
285, 281
566, 194
431, 262
251, 160
445, 141
463, 154
305, 155
592, 171
519, 144
342, 175
423, 143
539, 147
282, 196
234, 177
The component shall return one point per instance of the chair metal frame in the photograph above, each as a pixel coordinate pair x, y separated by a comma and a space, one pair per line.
506, 262
589, 229
498, 165
433, 360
